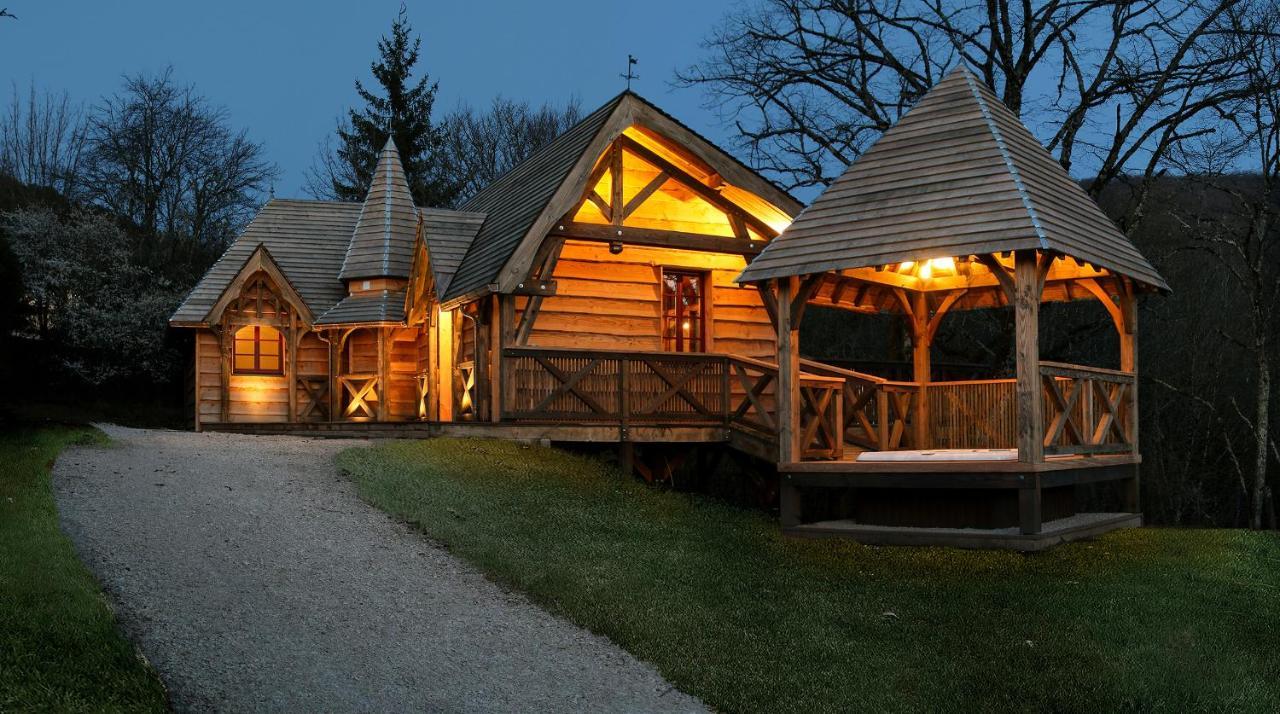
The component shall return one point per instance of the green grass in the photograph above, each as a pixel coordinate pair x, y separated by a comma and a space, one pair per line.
59, 647
734, 613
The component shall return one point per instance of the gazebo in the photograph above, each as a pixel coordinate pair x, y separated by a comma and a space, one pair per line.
956, 207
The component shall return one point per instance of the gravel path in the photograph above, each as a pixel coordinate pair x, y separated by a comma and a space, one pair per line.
254, 579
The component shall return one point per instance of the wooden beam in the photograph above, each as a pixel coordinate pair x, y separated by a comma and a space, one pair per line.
658, 238
644, 194
615, 186
1002, 275
545, 268
808, 288
1027, 288
707, 193
770, 302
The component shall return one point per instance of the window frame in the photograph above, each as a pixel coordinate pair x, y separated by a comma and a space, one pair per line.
704, 282
257, 352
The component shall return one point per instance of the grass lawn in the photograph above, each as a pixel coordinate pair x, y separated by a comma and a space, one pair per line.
59, 647
734, 613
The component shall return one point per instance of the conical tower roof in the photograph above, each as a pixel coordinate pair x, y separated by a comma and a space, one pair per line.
382, 242
958, 175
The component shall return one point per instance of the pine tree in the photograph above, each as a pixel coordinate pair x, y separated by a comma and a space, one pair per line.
403, 106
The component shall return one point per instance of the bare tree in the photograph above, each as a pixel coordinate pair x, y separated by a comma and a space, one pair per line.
481, 146
42, 140
161, 156
811, 83
1245, 240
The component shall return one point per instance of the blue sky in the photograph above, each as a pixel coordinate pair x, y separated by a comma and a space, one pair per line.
284, 70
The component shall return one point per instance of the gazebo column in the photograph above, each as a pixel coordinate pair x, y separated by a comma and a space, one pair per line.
1130, 490
1027, 286
922, 367
788, 371
788, 397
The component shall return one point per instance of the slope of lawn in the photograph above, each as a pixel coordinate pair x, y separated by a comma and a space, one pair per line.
734, 613
59, 647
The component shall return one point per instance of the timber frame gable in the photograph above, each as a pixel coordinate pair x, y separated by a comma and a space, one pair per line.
259, 294
637, 128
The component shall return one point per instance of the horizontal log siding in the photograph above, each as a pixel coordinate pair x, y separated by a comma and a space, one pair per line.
208, 377
614, 302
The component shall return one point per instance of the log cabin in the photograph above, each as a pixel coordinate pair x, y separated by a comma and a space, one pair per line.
632, 283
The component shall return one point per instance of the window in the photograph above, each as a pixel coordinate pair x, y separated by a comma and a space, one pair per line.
259, 350
683, 311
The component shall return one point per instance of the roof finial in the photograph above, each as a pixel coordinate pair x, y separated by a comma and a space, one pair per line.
631, 62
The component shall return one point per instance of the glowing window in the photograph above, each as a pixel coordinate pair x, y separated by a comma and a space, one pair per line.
683, 311
259, 350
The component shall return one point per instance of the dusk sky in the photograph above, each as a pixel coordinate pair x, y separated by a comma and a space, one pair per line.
285, 70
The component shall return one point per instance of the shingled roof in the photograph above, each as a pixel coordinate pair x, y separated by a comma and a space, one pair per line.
385, 306
517, 198
307, 240
958, 175
448, 235
382, 244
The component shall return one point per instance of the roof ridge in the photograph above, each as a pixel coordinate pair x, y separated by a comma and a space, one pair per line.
1006, 156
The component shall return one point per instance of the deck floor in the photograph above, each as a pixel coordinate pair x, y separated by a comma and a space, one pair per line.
1062, 530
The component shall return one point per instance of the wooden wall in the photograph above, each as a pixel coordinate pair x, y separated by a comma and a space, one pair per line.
614, 302
252, 397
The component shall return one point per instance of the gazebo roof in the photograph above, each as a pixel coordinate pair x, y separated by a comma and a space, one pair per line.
958, 175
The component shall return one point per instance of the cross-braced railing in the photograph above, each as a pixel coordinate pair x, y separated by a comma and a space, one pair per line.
597, 386
1090, 410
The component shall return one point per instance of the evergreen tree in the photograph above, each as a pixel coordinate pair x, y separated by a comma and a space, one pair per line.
403, 107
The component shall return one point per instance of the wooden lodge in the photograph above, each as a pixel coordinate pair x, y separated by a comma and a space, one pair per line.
632, 283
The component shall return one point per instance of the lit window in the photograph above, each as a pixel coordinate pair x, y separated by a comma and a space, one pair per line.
259, 350
683, 311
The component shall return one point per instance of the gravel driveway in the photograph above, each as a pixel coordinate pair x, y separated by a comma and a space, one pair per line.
253, 578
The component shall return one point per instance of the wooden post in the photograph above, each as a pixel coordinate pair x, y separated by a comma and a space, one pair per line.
291, 376
790, 512
335, 371
502, 332
480, 395
1027, 329
226, 353
1131, 491
197, 380
1129, 352
384, 375
433, 363
921, 366
1029, 513
788, 372
446, 352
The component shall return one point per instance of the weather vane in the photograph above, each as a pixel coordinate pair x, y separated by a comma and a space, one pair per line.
631, 62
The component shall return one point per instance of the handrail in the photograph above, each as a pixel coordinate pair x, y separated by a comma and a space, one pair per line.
1063, 369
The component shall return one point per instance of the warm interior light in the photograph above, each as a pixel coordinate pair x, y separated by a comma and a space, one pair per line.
685, 325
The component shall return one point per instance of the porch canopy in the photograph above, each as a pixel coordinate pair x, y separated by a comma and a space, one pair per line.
958, 206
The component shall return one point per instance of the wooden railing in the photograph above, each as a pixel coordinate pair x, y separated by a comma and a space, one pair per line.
1088, 410
973, 414
597, 386
877, 413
